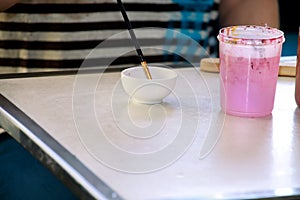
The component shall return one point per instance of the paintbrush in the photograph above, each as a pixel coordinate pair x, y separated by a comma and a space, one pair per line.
133, 38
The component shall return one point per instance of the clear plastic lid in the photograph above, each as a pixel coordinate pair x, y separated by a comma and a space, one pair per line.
251, 35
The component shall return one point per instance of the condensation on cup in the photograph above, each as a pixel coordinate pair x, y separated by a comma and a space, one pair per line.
249, 65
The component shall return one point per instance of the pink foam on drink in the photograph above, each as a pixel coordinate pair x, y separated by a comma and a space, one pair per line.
249, 64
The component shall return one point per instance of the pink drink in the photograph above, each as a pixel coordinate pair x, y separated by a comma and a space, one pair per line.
297, 81
249, 64
249, 84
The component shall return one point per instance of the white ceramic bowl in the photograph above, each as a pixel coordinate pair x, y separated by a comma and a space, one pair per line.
142, 90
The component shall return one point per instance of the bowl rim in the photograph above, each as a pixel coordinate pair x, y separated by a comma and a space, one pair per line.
172, 76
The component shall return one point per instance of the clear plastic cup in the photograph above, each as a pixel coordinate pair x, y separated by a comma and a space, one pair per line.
249, 65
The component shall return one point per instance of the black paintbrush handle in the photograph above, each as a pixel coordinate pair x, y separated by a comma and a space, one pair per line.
131, 32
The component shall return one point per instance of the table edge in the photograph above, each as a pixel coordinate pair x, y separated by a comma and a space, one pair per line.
37, 141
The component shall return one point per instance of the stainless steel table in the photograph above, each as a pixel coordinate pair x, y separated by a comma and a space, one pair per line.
103, 146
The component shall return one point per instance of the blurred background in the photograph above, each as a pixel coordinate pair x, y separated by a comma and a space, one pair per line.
289, 22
